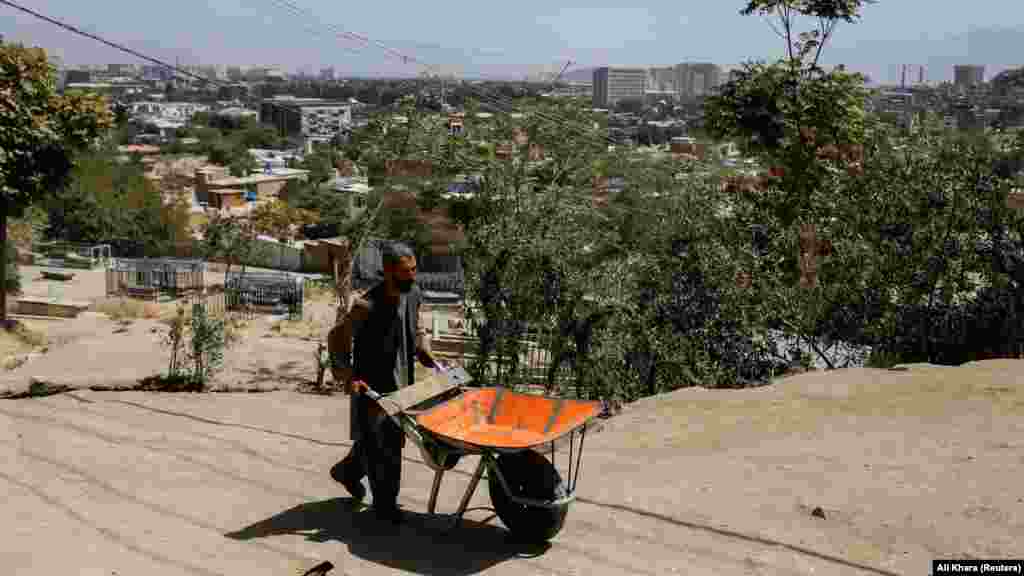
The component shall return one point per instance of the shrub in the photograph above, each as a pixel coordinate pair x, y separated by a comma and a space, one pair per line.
196, 341
128, 309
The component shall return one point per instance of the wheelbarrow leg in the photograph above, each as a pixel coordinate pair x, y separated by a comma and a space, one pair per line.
471, 489
438, 474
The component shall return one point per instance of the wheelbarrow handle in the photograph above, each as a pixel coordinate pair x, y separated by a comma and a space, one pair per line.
372, 394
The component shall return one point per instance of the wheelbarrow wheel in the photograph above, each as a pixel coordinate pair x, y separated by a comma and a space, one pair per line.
529, 475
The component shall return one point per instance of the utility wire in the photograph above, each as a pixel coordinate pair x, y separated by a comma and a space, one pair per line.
182, 71
406, 58
76, 30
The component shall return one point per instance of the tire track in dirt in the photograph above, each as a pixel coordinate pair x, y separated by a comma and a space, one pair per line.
238, 446
593, 527
231, 424
118, 441
122, 440
664, 518
155, 508
106, 533
160, 510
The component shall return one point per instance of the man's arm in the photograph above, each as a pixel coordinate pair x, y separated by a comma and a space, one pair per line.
423, 352
339, 344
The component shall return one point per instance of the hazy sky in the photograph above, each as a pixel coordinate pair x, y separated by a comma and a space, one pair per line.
488, 38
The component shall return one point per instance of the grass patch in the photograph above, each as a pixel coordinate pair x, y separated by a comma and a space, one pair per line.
37, 389
304, 329
16, 340
129, 309
162, 383
319, 292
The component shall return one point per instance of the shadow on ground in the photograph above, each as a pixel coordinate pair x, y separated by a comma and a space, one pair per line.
423, 544
289, 373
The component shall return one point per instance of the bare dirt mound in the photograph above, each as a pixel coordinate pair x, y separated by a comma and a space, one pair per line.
882, 468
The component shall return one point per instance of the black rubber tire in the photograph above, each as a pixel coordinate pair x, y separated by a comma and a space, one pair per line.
530, 475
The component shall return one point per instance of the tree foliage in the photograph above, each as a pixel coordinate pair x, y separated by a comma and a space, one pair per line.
40, 130
279, 220
636, 275
108, 200
229, 239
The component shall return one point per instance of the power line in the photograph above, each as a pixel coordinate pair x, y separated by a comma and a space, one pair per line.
156, 61
352, 35
92, 36
490, 98
76, 30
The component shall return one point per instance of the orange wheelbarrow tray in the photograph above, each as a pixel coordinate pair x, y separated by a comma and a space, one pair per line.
510, 431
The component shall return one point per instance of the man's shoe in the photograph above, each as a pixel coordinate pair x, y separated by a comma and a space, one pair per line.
354, 487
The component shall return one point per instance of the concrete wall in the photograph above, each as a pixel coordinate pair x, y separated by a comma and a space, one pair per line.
276, 256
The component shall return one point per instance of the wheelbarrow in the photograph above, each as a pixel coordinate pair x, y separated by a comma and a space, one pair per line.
510, 432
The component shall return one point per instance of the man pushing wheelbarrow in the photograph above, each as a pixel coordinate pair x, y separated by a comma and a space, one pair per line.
377, 347
374, 354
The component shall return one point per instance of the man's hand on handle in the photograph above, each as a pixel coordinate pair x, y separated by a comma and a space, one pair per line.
350, 385
357, 387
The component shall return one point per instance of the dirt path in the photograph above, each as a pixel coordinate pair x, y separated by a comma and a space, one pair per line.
906, 467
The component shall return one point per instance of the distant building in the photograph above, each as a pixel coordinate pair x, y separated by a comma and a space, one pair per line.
662, 79
912, 75
696, 79
78, 76
106, 88
314, 119
899, 104
968, 75
265, 74
327, 74
223, 192
574, 90
613, 85
157, 73
237, 113
122, 69
173, 111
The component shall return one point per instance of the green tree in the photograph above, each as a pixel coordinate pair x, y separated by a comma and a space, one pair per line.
810, 126
40, 131
320, 165
231, 239
106, 199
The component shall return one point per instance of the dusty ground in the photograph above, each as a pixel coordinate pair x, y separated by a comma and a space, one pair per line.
906, 467
118, 342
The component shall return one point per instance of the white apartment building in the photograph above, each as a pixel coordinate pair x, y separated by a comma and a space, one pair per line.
697, 79
661, 79
314, 119
613, 85
171, 111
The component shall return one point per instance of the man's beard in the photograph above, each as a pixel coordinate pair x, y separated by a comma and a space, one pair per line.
405, 285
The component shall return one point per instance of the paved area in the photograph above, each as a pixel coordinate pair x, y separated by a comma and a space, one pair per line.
904, 466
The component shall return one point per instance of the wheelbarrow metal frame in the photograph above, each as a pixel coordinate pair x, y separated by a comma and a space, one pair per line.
435, 451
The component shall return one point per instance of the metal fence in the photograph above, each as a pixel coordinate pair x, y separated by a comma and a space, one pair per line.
155, 277
72, 254
214, 302
514, 356
250, 293
441, 277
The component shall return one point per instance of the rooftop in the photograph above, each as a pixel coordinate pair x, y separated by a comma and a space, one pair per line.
258, 178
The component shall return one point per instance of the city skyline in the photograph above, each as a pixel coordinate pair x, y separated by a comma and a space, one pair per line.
265, 33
